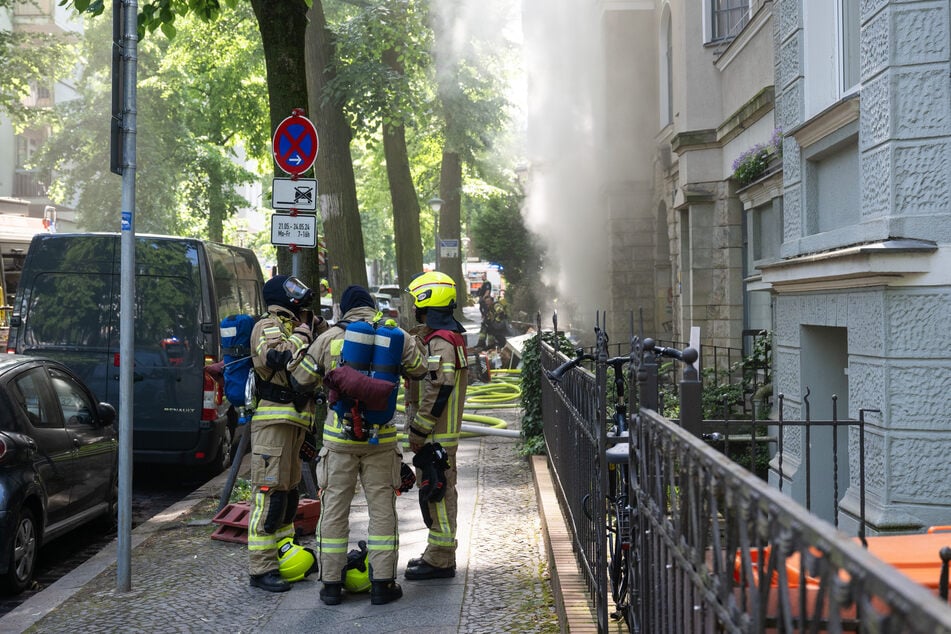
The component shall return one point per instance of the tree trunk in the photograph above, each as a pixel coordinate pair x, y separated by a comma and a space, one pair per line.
336, 187
409, 253
283, 26
450, 190
450, 174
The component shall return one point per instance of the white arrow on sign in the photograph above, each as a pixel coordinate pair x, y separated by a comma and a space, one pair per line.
300, 194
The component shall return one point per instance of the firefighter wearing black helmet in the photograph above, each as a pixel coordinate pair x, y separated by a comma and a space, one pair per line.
280, 421
434, 408
348, 456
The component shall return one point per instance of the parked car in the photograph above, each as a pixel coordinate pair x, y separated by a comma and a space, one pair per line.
58, 461
385, 305
394, 293
67, 308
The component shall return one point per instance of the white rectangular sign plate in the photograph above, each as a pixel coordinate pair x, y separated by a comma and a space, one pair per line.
300, 194
299, 230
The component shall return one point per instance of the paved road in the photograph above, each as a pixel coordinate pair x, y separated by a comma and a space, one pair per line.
153, 490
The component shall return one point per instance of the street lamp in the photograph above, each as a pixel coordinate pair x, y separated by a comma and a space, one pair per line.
436, 204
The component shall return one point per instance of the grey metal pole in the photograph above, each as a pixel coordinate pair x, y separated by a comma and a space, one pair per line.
129, 10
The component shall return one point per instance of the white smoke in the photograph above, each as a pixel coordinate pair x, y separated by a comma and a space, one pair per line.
564, 205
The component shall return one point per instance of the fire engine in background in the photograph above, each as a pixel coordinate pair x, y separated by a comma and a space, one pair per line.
478, 271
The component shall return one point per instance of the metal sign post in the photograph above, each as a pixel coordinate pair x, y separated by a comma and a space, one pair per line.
125, 23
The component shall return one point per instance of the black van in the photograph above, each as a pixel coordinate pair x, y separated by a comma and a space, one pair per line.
67, 308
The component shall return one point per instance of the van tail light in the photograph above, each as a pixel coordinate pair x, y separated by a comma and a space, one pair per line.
11, 350
212, 397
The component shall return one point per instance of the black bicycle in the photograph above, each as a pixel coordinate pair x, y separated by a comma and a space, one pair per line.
619, 510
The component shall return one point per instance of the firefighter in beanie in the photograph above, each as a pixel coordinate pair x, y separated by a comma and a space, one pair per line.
434, 408
359, 438
280, 421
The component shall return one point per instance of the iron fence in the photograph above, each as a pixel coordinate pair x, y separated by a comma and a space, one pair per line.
575, 438
715, 547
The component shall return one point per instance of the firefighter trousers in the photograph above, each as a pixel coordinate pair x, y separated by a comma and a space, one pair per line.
440, 518
275, 474
378, 470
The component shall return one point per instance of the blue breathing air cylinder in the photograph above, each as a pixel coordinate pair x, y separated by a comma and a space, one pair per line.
357, 353
387, 356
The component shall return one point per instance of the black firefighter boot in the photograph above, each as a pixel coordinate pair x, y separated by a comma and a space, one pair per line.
331, 593
385, 591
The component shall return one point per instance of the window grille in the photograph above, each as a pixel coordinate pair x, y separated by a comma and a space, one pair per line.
728, 17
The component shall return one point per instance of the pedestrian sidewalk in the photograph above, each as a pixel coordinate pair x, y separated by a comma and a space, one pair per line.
184, 581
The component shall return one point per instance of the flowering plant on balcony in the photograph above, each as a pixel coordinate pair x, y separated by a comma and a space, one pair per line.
752, 163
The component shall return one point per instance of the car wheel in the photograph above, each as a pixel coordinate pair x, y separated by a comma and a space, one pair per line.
222, 459
110, 520
24, 547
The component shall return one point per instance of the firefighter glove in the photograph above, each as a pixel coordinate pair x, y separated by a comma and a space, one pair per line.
407, 478
432, 480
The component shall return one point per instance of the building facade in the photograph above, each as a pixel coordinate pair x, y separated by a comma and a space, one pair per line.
799, 181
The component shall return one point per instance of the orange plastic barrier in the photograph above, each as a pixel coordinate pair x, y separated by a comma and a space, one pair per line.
917, 556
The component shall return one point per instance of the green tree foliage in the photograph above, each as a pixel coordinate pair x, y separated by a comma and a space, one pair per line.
381, 75
199, 97
499, 231
29, 61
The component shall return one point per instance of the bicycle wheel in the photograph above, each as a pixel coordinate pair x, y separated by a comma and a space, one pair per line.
618, 542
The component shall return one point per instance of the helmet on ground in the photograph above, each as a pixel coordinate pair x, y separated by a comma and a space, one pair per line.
356, 576
295, 561
433, 290
287, 291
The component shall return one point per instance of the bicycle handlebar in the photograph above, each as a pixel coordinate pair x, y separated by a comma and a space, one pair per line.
687, 355
556, 374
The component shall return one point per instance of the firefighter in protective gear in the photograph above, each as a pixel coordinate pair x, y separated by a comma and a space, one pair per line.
434, 409
347, 455
495, 326
281, 420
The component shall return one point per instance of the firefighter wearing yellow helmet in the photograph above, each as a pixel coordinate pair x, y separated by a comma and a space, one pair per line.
434, 407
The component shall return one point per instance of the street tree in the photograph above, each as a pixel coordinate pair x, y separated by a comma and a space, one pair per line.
30, 61
469, 59
383, 77
337, 186
195, 112
283, 29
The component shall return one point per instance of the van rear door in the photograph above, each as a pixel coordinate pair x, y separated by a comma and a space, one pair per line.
169, 346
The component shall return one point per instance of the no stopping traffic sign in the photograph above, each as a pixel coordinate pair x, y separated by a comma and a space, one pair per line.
295, 144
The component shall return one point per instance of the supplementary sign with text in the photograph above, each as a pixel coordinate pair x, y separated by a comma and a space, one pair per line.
300, 230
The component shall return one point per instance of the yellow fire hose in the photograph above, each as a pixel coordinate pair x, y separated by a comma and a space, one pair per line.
502, 391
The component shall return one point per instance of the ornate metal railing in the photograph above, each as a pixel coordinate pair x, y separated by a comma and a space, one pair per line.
575, 437
720, 550
715, 548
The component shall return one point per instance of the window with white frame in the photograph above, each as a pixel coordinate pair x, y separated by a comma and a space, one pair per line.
831, 51
725, 18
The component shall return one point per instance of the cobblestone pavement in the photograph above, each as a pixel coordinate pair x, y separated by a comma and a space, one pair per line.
508, 588
183, 581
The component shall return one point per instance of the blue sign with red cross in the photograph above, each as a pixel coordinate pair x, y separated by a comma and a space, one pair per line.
295, 144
